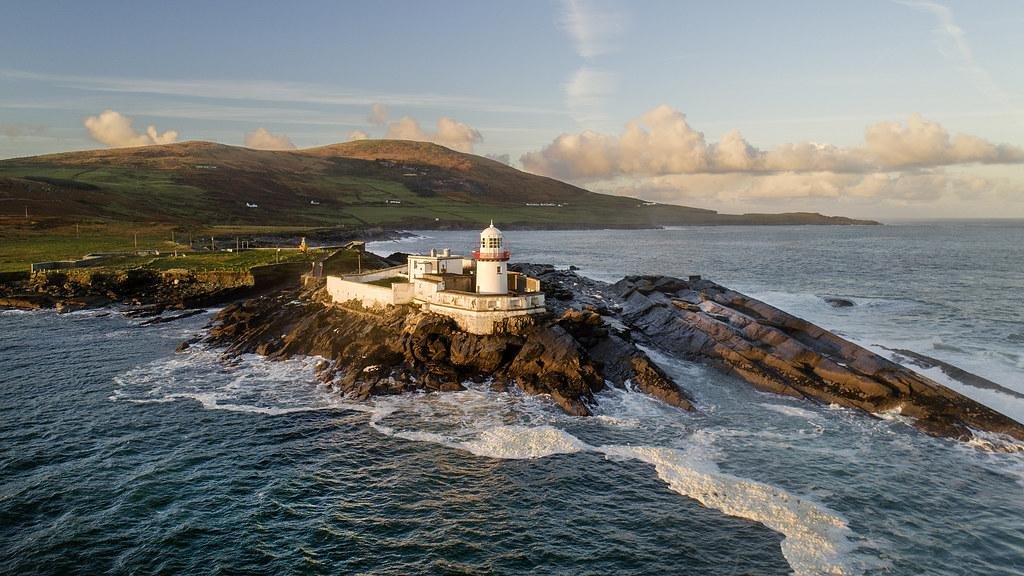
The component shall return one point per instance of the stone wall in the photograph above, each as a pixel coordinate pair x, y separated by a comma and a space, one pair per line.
342, 290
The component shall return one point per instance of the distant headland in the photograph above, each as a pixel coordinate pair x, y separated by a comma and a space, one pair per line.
358, 185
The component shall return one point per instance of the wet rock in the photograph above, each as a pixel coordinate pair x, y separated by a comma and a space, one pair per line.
838, 302
27, 302
80, 303
401, 349
186, 345
777, 352
166, 319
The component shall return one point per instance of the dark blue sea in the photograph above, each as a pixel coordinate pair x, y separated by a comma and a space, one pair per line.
118, 456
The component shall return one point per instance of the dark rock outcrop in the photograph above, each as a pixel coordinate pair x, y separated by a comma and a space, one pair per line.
778, 352
839, 302
401, 349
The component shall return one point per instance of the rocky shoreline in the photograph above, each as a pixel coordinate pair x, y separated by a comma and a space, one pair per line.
596, 335
399, 349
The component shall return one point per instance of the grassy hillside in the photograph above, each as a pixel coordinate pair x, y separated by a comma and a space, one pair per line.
355, 185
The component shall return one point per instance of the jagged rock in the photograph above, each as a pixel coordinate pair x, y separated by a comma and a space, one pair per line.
166, 319
401, 349
778, 352
185, 345
80, 303
27, 302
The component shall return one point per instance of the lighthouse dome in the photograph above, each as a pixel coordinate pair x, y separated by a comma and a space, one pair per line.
492, 244
490, 232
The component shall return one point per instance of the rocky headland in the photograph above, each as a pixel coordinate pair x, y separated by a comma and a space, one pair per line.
595, 335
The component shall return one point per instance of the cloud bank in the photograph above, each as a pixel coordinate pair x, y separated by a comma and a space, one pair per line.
115, 130
261, 139
662, 142
660, 156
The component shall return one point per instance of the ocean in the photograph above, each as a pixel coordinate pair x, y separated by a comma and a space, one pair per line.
120, 456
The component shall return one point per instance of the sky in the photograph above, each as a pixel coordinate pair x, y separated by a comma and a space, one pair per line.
885, 109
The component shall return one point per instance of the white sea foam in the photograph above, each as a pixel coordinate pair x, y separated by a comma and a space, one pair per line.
817, 540
994, 442
523, 442
793, 411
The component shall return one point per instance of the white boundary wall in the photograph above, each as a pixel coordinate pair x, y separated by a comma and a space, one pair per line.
344, 290
478, 321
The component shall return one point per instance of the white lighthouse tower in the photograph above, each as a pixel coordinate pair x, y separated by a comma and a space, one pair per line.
491, 262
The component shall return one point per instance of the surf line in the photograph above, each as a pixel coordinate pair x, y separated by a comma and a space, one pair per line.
816, 540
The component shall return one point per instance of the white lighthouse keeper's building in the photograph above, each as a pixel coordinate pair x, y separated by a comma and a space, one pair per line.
480, 294
491, 262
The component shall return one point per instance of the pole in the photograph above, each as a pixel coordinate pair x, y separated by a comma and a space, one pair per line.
136, 240
213, 245
26, 213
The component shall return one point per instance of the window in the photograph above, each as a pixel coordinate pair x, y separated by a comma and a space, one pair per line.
499, 269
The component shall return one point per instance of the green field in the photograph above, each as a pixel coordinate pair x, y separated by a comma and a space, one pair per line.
21, 245
233, 261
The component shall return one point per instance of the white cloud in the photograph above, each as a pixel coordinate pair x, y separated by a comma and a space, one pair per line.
378, 114
920, 142
115, 130
796, 189
662, 142
260, 139
587, 93
292, 92
358, 135
593, 29
951, 35
451, 133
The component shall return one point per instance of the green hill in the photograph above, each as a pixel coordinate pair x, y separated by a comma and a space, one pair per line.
367, 183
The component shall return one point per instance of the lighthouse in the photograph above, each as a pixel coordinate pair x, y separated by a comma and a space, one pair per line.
487, 300
491, 262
